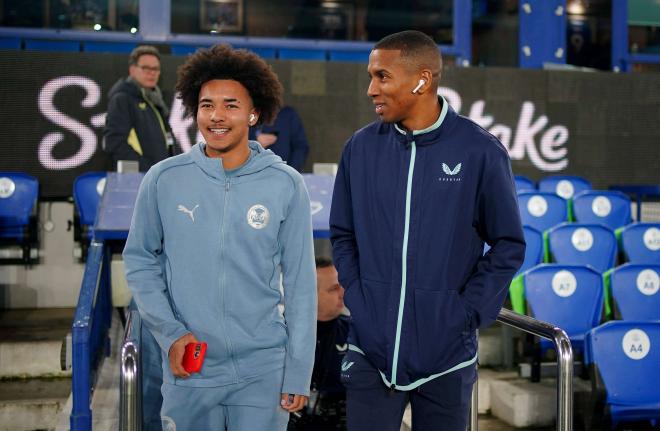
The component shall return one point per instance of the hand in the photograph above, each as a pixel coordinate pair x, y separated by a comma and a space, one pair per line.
177, 349
266, 139
293, 403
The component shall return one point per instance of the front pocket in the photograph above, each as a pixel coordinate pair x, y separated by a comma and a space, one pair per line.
441, 320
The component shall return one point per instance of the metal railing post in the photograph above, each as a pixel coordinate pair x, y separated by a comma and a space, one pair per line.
564, 366
130, 395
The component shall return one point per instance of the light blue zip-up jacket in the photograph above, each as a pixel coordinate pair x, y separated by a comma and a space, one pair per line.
205, 254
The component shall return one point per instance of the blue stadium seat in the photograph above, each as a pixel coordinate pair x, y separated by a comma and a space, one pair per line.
641, 243
534, 249
19, 197
624, 358
10, 43
583, 244
565, 186
523, 183
301, 54
87, 192
542, 210
568, 296
605, 207
112, 47
52, 45
349, 56
635, 291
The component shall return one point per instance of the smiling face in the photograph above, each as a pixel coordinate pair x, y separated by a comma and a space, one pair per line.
223, 117
391, 86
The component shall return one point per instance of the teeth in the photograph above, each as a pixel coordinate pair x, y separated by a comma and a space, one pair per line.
219, 131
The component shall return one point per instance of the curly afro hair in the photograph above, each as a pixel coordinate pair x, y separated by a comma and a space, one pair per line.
223, 62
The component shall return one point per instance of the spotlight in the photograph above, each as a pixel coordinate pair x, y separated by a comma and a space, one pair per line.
133, 30
576, 7
97, 27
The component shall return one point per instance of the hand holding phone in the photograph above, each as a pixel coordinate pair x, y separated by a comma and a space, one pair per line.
193, 358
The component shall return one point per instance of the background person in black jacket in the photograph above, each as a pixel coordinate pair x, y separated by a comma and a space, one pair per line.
327, 401
285, 137
136, 126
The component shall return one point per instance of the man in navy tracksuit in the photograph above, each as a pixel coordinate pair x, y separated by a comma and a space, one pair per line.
416, 196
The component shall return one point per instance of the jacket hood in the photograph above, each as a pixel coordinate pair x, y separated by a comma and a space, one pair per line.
124, 86
259, 160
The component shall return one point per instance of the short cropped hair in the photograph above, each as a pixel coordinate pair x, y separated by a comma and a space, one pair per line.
418, 49
323, 262
223, 62
140, 51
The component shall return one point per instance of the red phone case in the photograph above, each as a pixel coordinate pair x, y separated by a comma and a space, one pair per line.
193, 358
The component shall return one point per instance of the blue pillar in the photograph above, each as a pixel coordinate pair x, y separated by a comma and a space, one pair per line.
155, 17
542, 33
463, 31
620, 35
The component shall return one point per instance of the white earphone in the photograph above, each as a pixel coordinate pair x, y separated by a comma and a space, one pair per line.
419, 85
252, 117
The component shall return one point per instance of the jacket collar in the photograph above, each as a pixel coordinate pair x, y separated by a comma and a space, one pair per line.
430, 134
259, 160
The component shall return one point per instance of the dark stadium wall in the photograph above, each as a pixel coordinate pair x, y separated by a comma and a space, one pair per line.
603, 126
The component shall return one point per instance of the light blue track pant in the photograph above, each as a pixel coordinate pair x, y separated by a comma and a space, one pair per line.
253, 405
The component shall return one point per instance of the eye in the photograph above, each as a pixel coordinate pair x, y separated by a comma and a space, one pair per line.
204, 105
232, 106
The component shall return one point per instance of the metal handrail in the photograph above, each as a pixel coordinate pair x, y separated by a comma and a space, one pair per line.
130, 395
564, 365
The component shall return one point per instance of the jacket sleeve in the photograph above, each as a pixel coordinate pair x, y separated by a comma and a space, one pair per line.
299, 281
118, 124
144, 268
498, 222
299, 145
342, 232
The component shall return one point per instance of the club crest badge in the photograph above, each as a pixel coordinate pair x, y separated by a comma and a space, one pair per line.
258, 216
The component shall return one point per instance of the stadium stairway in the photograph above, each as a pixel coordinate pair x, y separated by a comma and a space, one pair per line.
33, 387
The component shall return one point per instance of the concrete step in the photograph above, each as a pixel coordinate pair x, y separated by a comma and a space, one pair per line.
521, 403
31, 342
32, 404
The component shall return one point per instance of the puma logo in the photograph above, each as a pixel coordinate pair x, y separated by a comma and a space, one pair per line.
191, 212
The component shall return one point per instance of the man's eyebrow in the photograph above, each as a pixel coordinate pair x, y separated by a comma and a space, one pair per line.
230, 99
205, 100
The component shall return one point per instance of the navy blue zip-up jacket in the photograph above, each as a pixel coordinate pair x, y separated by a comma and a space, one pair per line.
410, 214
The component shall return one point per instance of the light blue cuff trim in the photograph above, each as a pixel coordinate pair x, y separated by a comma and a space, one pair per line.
356, 349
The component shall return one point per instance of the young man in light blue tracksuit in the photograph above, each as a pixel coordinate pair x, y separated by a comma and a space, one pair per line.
214, 233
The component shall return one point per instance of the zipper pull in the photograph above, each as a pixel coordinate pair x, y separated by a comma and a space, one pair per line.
227, 186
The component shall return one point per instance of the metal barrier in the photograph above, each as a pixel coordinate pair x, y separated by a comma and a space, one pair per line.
564, 366
130, 399
90, 340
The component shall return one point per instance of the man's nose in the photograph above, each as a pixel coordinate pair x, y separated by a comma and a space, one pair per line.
372, 90
218, 115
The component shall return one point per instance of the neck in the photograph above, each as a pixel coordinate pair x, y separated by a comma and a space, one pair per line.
232, 158
424, 114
